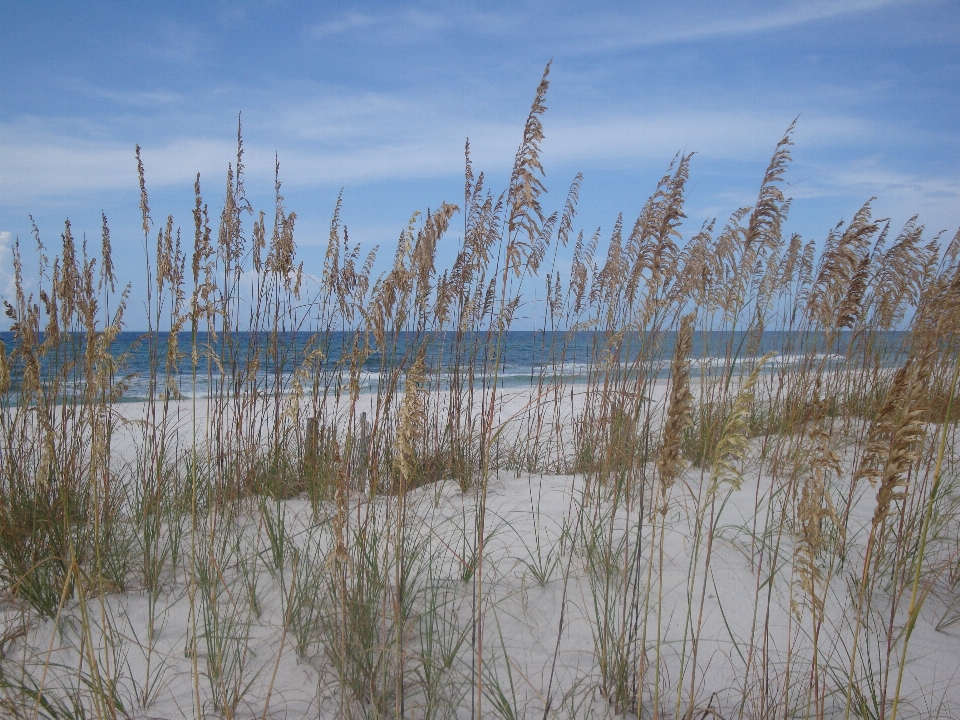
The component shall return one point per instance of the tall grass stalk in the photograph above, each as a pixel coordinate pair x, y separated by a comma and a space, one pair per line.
309, 468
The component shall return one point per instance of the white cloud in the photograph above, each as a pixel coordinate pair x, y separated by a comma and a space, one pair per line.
900, 195
40, 167
344, 24
376, 137
406, 24
50, 164
136, 98
690, 22
7, 289
337, 117
599, 28
714, 135
178, 41
602, 29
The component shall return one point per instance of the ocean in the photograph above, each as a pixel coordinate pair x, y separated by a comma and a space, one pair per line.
523, 357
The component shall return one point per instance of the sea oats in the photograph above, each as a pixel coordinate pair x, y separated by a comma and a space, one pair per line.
670, 464
734, 438
373, 384
842, 256
4, 369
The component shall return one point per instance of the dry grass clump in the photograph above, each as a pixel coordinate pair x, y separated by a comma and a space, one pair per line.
756, 436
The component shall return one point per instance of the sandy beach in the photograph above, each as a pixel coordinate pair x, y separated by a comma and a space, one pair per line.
536, 600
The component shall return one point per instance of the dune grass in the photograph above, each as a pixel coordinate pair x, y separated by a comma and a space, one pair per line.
733, 534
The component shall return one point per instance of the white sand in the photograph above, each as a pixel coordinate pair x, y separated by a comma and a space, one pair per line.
159, 678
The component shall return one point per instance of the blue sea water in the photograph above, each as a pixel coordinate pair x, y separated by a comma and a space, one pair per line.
521, 358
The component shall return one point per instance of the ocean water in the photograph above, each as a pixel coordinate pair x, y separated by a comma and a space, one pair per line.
521, 358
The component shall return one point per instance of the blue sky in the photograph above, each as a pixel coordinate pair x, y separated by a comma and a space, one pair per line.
378, 98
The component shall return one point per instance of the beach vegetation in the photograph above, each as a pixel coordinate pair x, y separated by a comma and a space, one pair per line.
725, 483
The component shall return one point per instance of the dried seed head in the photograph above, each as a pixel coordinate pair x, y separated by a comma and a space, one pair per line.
813, 508
411, 422
144, 200
107, 278
525, 187
680, 411
896, 435
732, 446
4, 370
843, 255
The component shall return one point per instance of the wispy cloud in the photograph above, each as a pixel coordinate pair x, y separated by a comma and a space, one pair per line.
402, 23
343, 24
694, 21
7, 289
900, 195
335, 116
45, 164
133, 98
714, 135
176, 41
688, 21
373, 137
598, 28
50, 168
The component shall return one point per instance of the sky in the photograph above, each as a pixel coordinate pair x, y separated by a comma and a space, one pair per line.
376, 100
